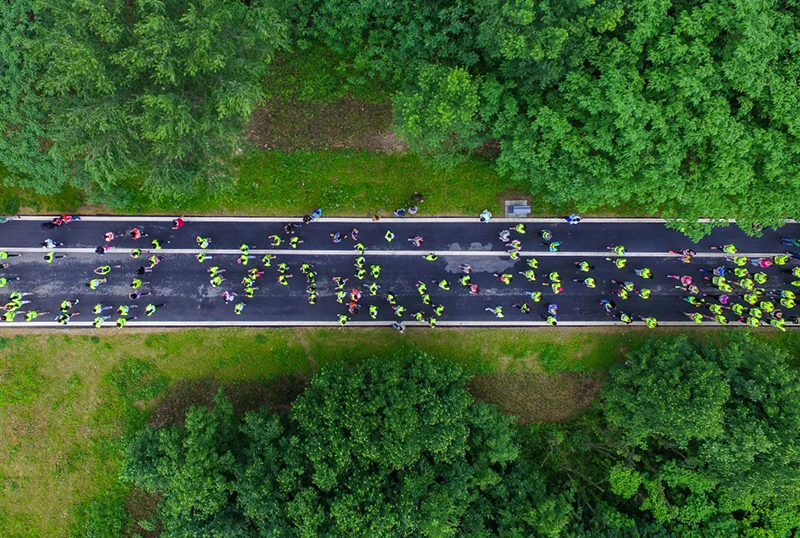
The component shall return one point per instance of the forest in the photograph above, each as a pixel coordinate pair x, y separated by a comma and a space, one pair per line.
685, 108
686, 440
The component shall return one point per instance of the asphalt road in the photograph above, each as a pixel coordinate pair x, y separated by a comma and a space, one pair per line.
182, 283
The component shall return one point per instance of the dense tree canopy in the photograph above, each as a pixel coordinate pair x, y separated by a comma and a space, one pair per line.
691, 440
391, 448
684, 107
687, 440
117, 90
687, 108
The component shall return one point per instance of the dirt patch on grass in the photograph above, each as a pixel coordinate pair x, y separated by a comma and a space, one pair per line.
142, 507
346, 123
276, 394
535, 397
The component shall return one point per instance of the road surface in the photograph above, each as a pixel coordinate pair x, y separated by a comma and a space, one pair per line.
183, 284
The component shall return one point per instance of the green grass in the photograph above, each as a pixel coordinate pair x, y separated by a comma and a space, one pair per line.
343, 182
318, 75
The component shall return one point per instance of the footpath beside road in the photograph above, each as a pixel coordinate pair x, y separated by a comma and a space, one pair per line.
183, 284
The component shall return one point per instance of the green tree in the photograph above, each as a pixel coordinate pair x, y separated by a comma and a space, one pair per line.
24, 110
669, 390
438, 116
192, 467
707, 431
392, 447
157, 90
678, 106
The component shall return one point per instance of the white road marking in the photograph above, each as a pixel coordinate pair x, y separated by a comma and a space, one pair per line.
254, 323
362, 220
370, 252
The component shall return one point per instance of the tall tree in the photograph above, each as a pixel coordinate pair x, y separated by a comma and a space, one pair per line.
717, 453
155, 91
391, 447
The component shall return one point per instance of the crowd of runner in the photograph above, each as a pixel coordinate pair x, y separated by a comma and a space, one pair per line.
740, 289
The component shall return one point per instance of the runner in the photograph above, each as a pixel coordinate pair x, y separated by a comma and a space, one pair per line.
203, 242
294, 241
505, 278
524, 308
685, 254
399, 327
644, 272
619, 262
497, 311
122, 321
5, 255
697, 317
135, 253
95, 283
360, 248
431, 257
105, 269
99, 308
583, 266
150, 309
619, 250
68, 304
444, 284
608, 305
238, 308
373, 311
375, 270
136, 233
124, 309
64, 317
50, 256
623, 317
727, 249
49, 243
5, 280
202, 257
134, 295
464, 280
275, 240
137, 283
177, 223
589, 282
416, 240
650, 322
